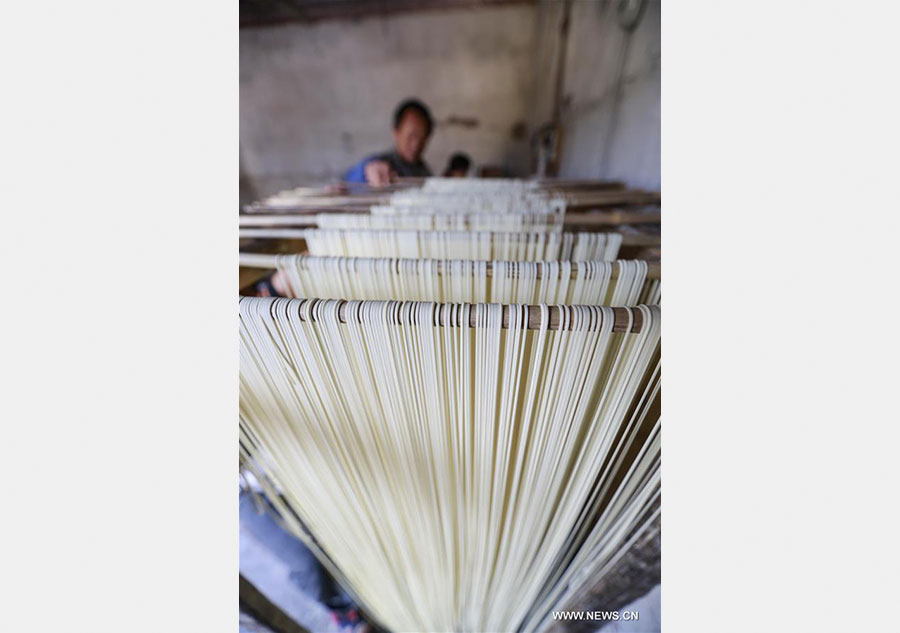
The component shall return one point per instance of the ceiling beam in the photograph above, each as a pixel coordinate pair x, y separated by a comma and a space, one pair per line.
264, 13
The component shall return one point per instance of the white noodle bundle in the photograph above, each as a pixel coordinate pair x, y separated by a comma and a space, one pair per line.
469, 281
292, 197
416, 203
477, 185
487, 245
444, 222
454, 478
471, 198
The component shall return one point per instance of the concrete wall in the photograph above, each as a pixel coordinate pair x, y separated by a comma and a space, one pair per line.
315, 98
611, 96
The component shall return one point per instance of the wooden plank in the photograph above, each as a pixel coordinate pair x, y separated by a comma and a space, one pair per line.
281, 219
611, 217
611, 198
267, 612
247, 276
266, 13
543, 184
628, 239
641, 239
587, 219
561, 184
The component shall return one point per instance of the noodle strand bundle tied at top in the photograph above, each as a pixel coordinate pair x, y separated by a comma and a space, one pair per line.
619, 283
472, 197
438, 184
458, 467
481, 245
532, 222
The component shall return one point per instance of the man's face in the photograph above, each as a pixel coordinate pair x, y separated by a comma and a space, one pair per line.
410, 137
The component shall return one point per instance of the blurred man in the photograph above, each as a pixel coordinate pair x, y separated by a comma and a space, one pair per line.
412, 128
458, 167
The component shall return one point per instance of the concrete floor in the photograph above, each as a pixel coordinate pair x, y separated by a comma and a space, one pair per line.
248, 624
649, 608
282, 568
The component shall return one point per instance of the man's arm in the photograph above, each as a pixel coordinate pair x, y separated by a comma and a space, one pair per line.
379, 173
372, 170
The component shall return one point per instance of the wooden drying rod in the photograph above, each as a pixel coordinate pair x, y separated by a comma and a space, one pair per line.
262, 260
543, 184
628, 239
592, 218
403, 183
574, 199
623, 317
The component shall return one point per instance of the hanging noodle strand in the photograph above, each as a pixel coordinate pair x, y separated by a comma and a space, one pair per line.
482, 245
457, 470
619, 283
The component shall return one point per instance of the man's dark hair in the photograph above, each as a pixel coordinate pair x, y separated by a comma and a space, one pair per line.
459, 161
414, 105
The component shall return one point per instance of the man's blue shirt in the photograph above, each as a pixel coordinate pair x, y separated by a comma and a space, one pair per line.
357, 173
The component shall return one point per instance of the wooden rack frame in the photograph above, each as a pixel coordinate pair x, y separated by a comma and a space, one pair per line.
591, 218
628, 239
579, 198
542, 184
